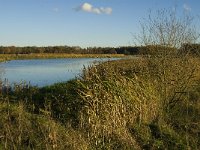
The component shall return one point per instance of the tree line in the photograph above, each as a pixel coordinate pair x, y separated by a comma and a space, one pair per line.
192, 49
68, 50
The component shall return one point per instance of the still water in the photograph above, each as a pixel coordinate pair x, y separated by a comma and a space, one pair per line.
42, 72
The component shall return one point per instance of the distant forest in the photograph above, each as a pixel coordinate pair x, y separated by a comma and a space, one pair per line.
69, 50
193, 49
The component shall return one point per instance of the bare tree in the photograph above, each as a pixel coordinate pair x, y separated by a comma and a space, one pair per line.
167, 28
162, 34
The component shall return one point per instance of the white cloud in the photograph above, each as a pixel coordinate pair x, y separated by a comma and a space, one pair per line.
186, 7
86, 7
96, 10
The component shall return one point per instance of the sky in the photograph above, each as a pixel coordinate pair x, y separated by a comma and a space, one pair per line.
85, 23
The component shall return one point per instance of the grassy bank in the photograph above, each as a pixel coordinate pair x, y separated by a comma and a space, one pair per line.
142, 103
6, 57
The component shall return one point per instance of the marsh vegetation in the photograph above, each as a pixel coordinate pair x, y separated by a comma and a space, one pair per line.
152, 102
111, 106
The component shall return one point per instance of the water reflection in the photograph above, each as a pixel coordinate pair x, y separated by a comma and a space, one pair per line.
42, 72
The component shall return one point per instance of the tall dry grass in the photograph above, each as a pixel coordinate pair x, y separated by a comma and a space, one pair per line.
152, 91
7, 57
20, 129
143, 103
113, 102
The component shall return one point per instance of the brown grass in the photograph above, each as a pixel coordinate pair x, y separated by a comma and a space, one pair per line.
143, 103
4, 57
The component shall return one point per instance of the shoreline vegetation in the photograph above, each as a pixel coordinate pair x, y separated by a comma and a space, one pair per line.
13, 53
152, 102
7, 57
113, 105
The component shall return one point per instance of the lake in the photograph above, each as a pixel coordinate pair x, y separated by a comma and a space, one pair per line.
43, 72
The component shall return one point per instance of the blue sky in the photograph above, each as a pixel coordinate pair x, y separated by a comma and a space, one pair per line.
82, 23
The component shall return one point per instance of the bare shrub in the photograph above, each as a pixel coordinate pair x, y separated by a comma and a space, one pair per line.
162, 34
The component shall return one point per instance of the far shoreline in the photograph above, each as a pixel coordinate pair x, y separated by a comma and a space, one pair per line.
8, 57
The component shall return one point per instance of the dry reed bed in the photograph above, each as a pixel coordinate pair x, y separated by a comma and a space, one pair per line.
6, 57
114, 102
126, 104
